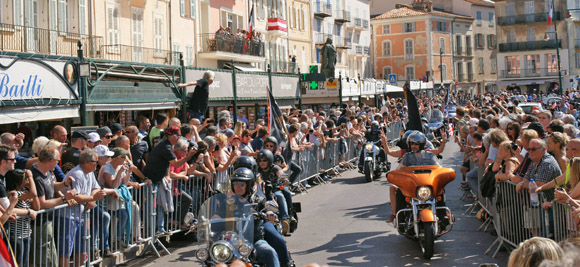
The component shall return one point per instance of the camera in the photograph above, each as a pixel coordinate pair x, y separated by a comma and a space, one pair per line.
311, 130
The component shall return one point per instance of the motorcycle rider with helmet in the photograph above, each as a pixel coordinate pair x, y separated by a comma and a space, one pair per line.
270, 174
271, 143
373, 135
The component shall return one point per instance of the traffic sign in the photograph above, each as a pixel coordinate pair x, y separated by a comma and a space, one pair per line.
393, 78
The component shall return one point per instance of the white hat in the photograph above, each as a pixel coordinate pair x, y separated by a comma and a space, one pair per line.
104, 151
94, 137
473, 121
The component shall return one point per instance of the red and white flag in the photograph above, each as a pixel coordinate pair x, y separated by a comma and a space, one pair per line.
550, 14
251, 22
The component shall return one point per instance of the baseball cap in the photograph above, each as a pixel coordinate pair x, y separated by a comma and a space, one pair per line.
103, 151
473, 121
116, 127
228, 132
94, 137
80, 134
103, 131
118, 151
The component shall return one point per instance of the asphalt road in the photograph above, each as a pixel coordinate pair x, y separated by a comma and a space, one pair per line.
343, 224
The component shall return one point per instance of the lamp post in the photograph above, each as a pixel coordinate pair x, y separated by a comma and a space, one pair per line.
546, 37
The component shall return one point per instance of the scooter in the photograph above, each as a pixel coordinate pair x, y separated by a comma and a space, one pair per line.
421, 211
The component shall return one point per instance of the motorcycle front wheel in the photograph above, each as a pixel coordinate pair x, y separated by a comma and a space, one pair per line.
368, 171
428, 240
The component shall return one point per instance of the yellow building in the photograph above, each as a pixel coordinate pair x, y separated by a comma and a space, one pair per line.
299, 33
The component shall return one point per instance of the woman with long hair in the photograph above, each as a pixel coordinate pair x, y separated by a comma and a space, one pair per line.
239, 128
557, 143
513, 131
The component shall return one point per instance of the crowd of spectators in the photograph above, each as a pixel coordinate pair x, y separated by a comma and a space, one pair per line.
241, 42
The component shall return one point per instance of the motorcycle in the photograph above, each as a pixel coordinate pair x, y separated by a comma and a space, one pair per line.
422, 215
296, 206
226, 230
371, 154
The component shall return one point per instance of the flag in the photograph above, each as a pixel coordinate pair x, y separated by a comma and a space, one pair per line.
413, 109
550, 13
251, 23
6, 255
447, 100
276, 126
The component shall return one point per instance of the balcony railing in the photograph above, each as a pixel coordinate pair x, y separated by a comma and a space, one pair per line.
322, 9
459, 50
460, 77
282, 66
43, 41
469, 51
529, 45
367, 50
526, 18
532, 72
365, 24
320, 38
342, 42
348, 42
358, 22
139, 54
470, 77
342, 16
359, 50
212, 43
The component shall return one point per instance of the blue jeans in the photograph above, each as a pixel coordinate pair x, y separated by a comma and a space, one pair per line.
100, 222
160, 223
275, 239
123, 216
472, 179
21, 250
282, 206
288, 196
266, 254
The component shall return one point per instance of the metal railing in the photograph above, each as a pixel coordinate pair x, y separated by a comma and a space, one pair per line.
458, 50
212, 43
365, 24
367, 50
322, 9
359, 50
469, 51
342, 16
18, 38
138, 54
282, 66
358, 22
530, 45
532, 72
526, 18
470, 77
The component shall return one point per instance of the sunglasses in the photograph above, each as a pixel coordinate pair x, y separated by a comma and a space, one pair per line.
510, 128
414, 144
263, 160
108, 136
266, 146
12, 159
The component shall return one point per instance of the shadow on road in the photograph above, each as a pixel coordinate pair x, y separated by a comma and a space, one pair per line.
371, 212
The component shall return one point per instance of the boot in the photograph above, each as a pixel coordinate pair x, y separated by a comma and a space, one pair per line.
285, 226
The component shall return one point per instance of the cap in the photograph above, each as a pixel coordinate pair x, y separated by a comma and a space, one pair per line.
94, 137
80, 134
117, 152
103, 151
537, 127
473, 121
237, 137
173, 130
228, 132
104, 131
116, 127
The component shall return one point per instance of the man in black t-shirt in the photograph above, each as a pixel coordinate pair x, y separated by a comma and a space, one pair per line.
200, 97
7, 162
70, 157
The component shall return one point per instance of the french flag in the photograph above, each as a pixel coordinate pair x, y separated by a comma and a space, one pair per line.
550, 14
251, 22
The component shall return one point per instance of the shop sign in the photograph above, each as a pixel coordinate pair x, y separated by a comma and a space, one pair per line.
23, 79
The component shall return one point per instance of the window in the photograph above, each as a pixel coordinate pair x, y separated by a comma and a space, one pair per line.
158, 31
552, 63
388, 71
386, 28
479, 41
63, 16
189, 55
112, 25
409, 27
491, 19
234, 21
386, 48
410, 73
444, 72
512, 64
409, 49
478, 17
480, 65
192, 9
137, 33
442, 26
458, 44
577, 60
182, 7
260, 8
530, 34
82, 16
511, 36
175, 54
17, 12
493, 65
532, 64
491, 41
442, 45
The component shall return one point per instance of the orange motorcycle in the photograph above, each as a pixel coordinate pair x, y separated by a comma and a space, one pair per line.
421, 211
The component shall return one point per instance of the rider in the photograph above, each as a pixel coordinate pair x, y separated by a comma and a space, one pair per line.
271, 174
271, 143
374, 135
270, 245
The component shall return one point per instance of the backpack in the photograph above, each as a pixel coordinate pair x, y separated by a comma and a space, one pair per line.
487, 183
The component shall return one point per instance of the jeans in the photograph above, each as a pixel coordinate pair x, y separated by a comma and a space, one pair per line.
296, 170
282, 206
472, 179
275, 239
21, 250
288, 196
266, 254
160, 223
100, 222
182, 202
123, 216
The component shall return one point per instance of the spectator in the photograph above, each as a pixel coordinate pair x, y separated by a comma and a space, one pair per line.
106, 135
116, 130
245, 147
70, 157
242, 117
189, 133
72, 224
174, 122
513, 130
93, 140
143, 124
59, 133
161, 123
138, 147
545, 117
181, 196
534, 251
571, 131
224, 160
16, 141
200, 97
557, 143
239, 128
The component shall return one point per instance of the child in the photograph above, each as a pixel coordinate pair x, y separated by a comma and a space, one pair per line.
21, 182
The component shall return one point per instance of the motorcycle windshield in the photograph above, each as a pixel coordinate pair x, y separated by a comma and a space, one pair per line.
436, 117
226, 217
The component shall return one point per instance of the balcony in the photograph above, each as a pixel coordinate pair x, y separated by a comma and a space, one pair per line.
526, 18
341, 42
320, 38
470, 77
282, 66
348, 43
529, 45
229, 47
365, 24
342, 16
528, 73
322, 9
358, 24
359, 50
469, 51
367, 51
17, 38
138, 54
277, 26
458, 50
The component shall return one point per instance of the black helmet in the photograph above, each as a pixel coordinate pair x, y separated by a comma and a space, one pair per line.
273, 140
245, 175
266, 154
374, 125
417, 137
406, 135
246, 162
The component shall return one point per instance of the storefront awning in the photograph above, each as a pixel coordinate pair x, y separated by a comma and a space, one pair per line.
394, 89
131, 106
11, 114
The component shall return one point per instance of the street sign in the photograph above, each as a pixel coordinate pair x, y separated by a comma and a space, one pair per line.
393, 78
319, 77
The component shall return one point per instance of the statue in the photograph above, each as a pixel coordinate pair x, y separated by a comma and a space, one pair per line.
328, 60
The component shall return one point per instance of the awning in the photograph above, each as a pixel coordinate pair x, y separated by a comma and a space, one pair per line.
320, 100
242, 67
11, 114
131, 106
394, 89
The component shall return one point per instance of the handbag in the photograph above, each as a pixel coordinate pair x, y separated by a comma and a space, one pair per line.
487, 183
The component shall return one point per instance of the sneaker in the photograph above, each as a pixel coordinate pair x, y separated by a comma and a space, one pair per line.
161, 232
391, 218
292, 193
285, 226
308, 186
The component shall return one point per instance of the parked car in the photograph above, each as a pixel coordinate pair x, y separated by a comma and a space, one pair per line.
549, 101
528, 107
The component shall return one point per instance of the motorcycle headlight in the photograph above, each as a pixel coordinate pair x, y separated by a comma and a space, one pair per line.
201, 254
369, 147
221, 252
424, 193
245, 250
